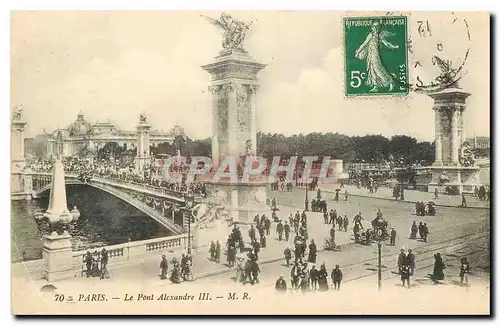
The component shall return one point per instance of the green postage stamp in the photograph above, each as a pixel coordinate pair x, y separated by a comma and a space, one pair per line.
376, 56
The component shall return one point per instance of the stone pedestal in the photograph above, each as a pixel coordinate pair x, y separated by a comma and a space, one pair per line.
449, 106
58, 257
336, 170
203, 235
243, 200
234, 97
464, 178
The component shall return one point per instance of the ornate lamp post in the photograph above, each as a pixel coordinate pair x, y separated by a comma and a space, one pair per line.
189, 203
379, 235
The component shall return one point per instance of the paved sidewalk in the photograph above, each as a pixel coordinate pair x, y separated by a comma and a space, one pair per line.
411, 196
147, 269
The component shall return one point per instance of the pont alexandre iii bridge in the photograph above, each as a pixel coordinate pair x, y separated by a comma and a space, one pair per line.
156, 202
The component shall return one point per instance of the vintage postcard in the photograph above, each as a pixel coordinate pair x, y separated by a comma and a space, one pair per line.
250, 162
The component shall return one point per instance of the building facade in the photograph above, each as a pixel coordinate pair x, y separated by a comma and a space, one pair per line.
83, 137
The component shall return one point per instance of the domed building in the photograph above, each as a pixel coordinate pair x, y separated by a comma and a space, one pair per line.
85, 139
80, 127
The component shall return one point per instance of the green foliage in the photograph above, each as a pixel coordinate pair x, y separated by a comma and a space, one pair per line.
370, 148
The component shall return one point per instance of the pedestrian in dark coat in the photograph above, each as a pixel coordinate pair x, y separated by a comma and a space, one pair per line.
393, 237
217, 252
279, 230
211, 250
287, 229
256, 250
312, 252
413, 230
410, 261
288, 256
425, 232
88, 262
405, 275
280, 285
313, 276
402, 261
336, 277
267, 225
163, 267
340, 222
346, 222
251, 234
464, 270
332, 234
421, 230
263, 242
439, 266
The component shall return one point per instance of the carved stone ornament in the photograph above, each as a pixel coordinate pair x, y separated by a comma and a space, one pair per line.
260, 196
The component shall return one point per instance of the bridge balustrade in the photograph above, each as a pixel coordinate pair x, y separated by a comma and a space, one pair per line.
138, 249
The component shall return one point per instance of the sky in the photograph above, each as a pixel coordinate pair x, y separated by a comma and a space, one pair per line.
117, 65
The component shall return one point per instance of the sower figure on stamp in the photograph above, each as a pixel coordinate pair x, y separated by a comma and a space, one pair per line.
377, 74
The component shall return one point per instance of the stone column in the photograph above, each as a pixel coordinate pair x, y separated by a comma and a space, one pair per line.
454, 137
142, 156
253, 117
17, 141
232, 120
437, 144
462, 126
215, 125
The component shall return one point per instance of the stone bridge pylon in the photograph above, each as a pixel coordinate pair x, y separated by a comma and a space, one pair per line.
20, 180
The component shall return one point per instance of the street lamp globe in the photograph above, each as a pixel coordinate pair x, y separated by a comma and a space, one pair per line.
189, 199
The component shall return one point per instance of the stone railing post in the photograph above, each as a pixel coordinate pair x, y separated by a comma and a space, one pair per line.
58, 257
